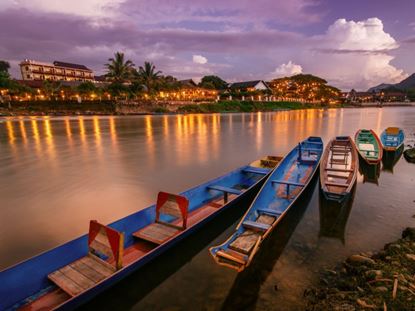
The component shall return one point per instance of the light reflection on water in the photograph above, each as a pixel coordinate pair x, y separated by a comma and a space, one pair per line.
58, 173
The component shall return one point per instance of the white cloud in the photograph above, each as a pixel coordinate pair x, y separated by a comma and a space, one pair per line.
367, 35
288, 69
354, 54
199, 59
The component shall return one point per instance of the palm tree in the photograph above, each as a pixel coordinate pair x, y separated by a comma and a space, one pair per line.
119, 69
148, 75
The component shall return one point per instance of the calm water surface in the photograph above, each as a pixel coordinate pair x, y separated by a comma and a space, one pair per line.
58, 173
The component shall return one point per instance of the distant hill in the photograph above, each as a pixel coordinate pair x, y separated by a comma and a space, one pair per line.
379, 87
404, 85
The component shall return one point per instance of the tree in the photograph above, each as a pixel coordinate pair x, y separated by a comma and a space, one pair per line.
4, 66
51, 88
86, 88
214, 82
117, 89
148, 76
119, 69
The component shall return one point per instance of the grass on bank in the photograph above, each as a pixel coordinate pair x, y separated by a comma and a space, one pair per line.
246, 106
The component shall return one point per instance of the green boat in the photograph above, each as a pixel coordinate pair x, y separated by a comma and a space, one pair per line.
369, 146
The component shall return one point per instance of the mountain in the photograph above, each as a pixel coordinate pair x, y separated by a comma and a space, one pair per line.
379, 87
404, 85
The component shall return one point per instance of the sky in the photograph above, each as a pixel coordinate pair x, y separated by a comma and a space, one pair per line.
352, 44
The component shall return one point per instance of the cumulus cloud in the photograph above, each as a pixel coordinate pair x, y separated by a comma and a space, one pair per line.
199, 59
367, 35
288, 69
355, 54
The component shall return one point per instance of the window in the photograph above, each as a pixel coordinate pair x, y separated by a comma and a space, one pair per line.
28, 76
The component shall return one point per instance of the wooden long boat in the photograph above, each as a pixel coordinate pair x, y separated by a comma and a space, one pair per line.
280, 191
392, 138
369, 146
338, 169
75, 272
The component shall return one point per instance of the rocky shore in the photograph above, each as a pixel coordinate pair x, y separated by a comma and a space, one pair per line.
366, 281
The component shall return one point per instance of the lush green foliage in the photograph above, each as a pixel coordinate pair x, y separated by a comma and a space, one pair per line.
148, 75
213, 82
246, 106
87, 87
4, 66
119, 69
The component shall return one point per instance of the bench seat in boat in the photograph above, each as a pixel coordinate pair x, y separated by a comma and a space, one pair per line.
161, 231
87, 271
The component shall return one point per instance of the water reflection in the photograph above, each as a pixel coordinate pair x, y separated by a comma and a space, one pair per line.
390, 158
245, 290
334, 216
107, 167
370, 172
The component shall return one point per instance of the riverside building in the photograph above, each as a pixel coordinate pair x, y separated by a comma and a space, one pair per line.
56, 71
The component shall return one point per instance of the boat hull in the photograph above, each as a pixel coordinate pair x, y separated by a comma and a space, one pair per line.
25, 284
338, 169
296, 172
377, 145
392, 139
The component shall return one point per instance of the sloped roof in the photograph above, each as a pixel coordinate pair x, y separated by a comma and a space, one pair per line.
246, 84
70, 65
188, 82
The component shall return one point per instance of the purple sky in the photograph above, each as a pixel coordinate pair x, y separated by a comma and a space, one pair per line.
355, 43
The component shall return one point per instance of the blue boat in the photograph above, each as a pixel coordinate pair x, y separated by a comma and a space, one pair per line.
282, 188
71, 274
392, 138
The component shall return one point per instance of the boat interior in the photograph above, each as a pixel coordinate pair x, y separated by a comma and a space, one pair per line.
339, 165
240, 248
109, 250
367, 144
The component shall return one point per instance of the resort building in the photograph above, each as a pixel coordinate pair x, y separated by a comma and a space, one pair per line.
56, 71
249, 86
189, 90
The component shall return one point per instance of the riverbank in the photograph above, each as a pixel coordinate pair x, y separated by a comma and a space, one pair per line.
366, 281
62, 108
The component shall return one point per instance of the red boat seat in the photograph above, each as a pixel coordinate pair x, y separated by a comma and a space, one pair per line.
105, 252
160, 231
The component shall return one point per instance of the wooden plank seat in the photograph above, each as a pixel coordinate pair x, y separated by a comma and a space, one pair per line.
84, 273
245, 242
226, 191
233, 256
334, 184
255, 170
288, 184
160, 231
338, 176
268, 211
258, 226
338, 170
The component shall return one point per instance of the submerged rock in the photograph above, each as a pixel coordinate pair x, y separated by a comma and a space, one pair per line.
409, 233
359, 259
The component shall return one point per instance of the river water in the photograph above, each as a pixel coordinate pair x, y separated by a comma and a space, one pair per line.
58, 173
